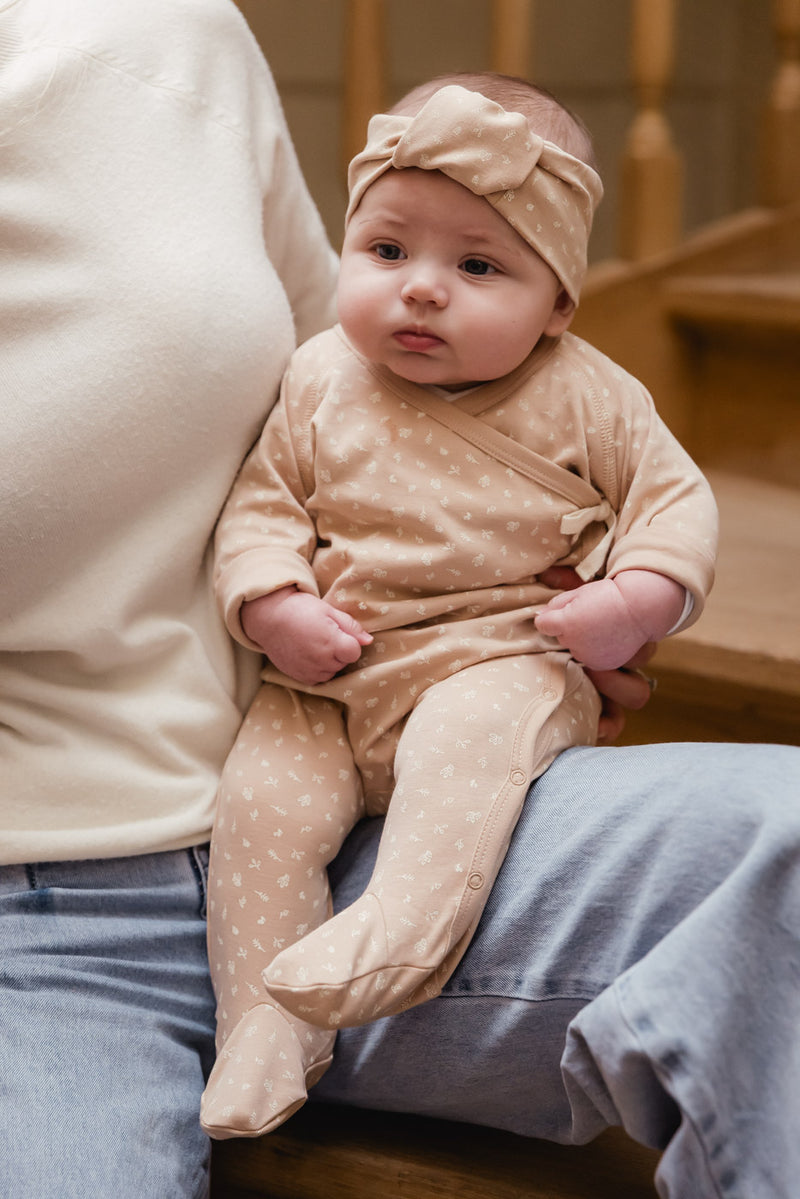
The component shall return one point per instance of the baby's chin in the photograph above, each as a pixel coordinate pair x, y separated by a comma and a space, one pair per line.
427, 374
442, 385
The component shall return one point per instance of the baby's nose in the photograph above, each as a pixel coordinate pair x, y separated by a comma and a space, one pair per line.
424, 285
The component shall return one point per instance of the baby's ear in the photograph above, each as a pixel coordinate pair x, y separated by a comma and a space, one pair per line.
561, 316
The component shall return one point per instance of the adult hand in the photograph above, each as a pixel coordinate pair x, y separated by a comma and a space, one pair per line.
628, 687
620, 690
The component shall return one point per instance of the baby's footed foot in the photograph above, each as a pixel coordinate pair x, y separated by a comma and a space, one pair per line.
345, 973
261, 1076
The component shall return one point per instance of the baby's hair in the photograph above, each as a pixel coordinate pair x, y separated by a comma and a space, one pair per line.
546, 115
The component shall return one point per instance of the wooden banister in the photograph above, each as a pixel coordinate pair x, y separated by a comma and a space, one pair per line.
511, 25
652, 171
780, 163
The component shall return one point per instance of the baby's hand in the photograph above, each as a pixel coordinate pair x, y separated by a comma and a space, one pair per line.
302, 635
605, 622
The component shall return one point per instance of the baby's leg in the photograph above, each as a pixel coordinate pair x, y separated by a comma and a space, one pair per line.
289, 796
464, 762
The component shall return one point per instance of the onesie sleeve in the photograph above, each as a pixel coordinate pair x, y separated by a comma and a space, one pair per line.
667, 517
265, 539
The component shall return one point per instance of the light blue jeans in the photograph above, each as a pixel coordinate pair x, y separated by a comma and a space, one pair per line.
106, 1027
638, 963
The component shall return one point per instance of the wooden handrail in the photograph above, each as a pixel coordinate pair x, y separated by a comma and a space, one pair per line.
780, 160
651, 182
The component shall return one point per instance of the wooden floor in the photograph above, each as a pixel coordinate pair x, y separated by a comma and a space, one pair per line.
327, 1152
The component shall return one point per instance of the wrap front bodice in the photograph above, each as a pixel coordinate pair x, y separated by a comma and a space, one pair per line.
419, 514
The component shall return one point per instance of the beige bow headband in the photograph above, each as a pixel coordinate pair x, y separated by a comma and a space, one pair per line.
547, 196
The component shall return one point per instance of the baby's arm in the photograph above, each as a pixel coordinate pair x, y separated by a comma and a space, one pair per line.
605, 622
302, 635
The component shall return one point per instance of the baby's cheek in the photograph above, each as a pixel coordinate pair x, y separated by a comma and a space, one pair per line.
357, 315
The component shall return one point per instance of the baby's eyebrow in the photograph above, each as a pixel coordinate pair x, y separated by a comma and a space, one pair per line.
386, 216
479, 243
479, 239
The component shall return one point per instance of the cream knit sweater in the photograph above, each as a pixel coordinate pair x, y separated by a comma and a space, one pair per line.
157, 240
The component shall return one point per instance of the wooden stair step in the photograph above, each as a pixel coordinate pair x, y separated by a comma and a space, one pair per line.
740, 664
328, 1152
750, 630
708, 380
750, 305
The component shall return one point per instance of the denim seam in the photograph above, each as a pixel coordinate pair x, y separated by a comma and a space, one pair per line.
496, 986
198, 862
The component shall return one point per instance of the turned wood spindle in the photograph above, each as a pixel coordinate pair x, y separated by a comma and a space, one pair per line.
780, 162
365, 67
651, 180
511, 23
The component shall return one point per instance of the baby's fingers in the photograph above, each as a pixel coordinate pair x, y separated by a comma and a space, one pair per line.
550, 621
351, 628
346, 649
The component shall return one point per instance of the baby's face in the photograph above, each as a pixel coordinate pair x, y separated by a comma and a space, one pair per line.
437, 286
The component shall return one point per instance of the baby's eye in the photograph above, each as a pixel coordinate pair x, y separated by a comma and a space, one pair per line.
476, 266
387, 252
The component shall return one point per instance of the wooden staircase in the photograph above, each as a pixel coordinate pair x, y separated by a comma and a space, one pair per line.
713, 329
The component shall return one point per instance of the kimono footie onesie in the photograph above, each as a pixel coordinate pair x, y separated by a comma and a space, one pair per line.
429, 520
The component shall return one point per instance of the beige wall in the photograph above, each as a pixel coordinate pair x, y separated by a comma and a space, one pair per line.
579, 50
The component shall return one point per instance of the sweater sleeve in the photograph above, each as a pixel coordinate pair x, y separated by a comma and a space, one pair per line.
294, 235
266, 539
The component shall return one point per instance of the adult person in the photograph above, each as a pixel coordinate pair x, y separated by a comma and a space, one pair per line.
161, 257
157, 241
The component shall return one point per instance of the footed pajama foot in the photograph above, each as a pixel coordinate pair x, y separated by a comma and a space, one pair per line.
345, 973
261, 1076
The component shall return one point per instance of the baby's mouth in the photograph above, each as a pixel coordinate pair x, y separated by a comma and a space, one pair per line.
418, 340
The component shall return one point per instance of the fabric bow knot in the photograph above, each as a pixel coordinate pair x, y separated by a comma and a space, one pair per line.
489, 150
574, 523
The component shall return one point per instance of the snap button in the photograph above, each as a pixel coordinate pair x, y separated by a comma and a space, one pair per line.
475, 881
519, 777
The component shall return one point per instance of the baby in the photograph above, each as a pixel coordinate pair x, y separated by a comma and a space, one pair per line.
427, 461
